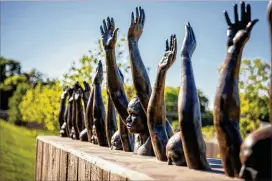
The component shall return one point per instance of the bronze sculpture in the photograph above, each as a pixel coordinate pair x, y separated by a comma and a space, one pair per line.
156, 112
116, 141
69, 112
115, 84
174, 151
61, 116
111, 125
227, 103
189, 108
79, 114
88, 117
98, 107
256, 154
140, 77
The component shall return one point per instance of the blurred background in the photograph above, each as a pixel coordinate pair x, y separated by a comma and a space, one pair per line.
47, 45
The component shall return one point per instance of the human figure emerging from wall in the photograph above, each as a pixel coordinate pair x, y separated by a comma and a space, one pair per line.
132, 114
227, 102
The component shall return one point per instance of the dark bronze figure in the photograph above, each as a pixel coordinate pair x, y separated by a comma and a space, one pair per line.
111, 124
256, 154
88, 117
116, 143
69, 112
227, 103
98, 107
62, 122
115, 84
83, 136
79, 112
189, 108
139, 74
156, 111
174, 151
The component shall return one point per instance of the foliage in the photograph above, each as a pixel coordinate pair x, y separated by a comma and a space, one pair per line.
208, 132
41, 104
17, 151
171, 101
14, 112
254, 94
8, 68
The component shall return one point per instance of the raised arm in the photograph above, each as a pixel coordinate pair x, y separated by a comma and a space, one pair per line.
189, 108
115, 84
62, 110
227, 102
88, 118
139, 74
111, 124
98, 107
156, 109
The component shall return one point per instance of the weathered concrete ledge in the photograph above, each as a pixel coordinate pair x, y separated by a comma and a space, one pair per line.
65, 159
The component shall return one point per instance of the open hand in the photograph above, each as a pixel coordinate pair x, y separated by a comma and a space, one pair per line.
136, 27
109, 34
238, 32
189, 42
170, 54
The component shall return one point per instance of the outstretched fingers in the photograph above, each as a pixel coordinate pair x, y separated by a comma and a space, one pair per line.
143, 17
227, 18
137, 15
236, 19
132, 19
248, 12
167, 46
243, 11
102, 31
250, 25
105, 25
112, 24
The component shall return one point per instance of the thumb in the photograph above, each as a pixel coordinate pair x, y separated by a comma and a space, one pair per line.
115, 33
250, 25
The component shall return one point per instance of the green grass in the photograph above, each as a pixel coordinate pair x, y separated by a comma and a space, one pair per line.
18, 151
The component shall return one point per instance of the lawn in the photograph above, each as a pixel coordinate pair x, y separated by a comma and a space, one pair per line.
18, 151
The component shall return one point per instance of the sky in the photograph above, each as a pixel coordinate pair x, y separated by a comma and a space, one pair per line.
50, 35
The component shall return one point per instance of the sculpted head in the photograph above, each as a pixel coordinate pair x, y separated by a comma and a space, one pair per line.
255, 155
116, 143
174, 151
136, 121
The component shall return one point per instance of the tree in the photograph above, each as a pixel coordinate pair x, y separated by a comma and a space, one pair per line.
8, 68
254, 94
13, 111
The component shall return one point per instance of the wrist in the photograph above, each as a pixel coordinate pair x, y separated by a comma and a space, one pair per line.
132, 41
234, 50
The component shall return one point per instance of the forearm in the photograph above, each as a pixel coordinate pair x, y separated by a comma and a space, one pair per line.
156, 108
110, 120
227, 92
115, 85
139, 74
62, 111
89, 115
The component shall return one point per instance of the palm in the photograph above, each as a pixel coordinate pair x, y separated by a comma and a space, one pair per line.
239, 31
109, 34
136, 27
170, 54
189, 42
